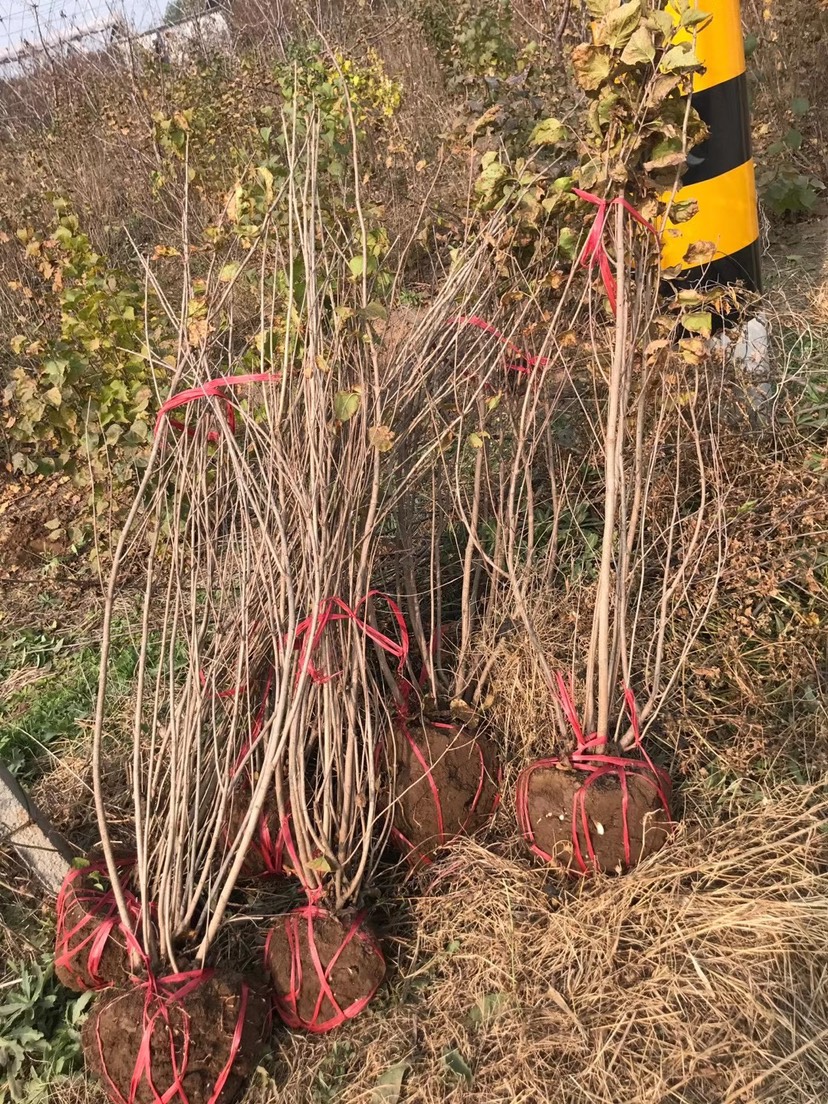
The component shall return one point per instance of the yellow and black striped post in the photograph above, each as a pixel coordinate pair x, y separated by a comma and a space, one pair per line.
720, 174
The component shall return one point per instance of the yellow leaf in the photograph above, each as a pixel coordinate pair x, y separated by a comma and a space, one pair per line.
197, 331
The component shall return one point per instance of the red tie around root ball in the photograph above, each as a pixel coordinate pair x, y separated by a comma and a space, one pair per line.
324, 971
188, 1038
92, 948
447, 783
594, 811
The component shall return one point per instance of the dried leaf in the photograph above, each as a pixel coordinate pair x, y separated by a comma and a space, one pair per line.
382, 438
591, 65
388, 1086
700, 253
684, 210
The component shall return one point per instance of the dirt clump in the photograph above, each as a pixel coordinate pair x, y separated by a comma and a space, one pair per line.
90, 944
578, 820
192, 1028
446, 782
352, 965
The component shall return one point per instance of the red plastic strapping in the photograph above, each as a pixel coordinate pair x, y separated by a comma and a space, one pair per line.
287, 1005
160, 994
96, 927
213, 388
594, 249
595, 766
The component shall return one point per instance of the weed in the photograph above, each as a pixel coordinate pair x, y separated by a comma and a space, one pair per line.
39, 1032
787, 190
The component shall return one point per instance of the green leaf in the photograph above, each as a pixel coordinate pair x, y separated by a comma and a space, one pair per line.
794, 140
692, 17
455, 1063
701, 322
661, 22
751, 45
620, 23
477, 440
228, 272
548, 133
599, 8
357, 266
800, 106
346, 404
388, 1086
320, 864
375, 312
640, 49
666, 155
679, 58
568, 243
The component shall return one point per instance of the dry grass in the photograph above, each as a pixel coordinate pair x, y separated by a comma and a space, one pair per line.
698, 977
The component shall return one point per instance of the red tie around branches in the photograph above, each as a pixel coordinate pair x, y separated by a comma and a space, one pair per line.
594, 249
335, 609
596, 766
213, 388
99, 922
159, 995
287, 1004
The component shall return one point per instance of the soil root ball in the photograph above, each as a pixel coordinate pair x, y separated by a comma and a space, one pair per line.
90, 942
191, 1038
446, 784
324, 970
607, 817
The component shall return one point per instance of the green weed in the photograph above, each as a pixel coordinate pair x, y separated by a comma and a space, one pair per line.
39, 1032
